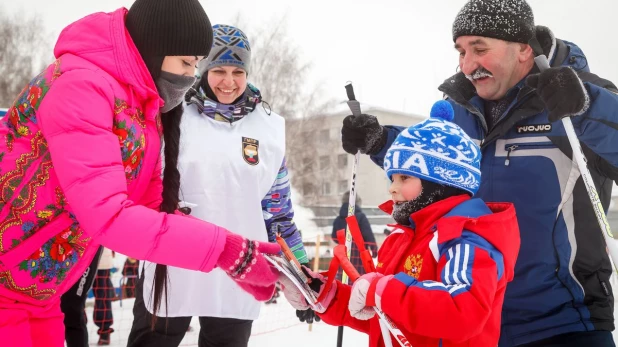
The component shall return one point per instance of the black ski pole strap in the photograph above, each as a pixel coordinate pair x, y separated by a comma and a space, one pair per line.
536, 46
542, 62
350, 91
352, 103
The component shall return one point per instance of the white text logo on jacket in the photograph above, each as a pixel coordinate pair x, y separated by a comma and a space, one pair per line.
534, 128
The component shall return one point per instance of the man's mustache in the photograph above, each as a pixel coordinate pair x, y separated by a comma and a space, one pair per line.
481, 72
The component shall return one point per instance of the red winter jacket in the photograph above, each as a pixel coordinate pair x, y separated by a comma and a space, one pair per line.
451, 272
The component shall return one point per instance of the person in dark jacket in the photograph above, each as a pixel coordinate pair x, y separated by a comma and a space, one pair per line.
365, 228
129, 272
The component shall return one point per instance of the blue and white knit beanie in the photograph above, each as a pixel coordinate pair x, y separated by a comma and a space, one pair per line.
230, 47
436, 150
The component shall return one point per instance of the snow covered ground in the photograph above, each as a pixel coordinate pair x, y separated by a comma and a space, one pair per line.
277, 326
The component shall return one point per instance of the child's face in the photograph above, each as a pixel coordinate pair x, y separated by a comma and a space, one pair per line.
405, 188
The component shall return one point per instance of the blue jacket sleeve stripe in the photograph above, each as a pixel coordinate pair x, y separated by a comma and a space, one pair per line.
473, 240
456, 275
453, 290
458, 269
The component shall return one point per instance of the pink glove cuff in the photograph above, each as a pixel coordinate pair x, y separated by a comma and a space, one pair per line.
237, 255
328, 298
258, 292
379, 286
240, 256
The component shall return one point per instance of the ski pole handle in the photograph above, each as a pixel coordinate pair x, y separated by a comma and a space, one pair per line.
352, 102
346, 265
611, 243
541, 62
357, 236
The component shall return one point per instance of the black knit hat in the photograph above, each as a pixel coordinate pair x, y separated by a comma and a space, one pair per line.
162, 28
508, 20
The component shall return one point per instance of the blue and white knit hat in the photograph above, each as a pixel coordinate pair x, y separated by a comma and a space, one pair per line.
436, 150
230, 47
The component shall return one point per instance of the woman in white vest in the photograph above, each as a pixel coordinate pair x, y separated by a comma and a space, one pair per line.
233, 174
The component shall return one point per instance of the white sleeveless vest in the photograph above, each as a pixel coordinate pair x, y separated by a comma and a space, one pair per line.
226, 170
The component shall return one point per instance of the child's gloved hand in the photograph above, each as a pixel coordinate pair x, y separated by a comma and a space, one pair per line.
367, 293
296, 298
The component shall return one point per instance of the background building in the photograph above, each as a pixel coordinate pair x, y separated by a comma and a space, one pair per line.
321, 169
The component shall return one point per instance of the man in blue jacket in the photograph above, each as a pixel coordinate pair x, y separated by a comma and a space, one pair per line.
561, 294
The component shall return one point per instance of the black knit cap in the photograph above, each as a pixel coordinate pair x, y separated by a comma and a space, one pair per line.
162, 28
508, 20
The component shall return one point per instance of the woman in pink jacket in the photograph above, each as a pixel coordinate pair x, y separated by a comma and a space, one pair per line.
80, 166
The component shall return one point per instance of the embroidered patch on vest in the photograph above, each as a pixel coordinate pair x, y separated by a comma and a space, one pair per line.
534, 128
250, 150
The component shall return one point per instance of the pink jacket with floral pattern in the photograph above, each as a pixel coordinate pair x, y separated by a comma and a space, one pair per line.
80, 166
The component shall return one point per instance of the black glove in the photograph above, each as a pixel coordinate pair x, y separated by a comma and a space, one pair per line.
363, 133
308, 316
562, 92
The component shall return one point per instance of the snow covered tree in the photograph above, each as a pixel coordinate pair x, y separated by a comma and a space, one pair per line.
280, 72
25, 50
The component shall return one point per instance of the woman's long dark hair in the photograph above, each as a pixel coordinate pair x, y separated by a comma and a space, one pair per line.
171, 190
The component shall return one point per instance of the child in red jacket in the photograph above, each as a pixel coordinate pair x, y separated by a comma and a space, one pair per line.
443, 271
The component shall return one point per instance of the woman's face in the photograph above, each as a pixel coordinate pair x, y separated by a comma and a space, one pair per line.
227, 82
184, 65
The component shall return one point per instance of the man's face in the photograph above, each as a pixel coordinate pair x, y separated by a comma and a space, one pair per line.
493, 66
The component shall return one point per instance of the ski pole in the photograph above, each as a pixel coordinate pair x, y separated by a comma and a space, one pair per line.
391, 328
356, 111
543, 64
355, 108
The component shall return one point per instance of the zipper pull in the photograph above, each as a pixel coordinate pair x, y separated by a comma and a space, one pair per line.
508, 154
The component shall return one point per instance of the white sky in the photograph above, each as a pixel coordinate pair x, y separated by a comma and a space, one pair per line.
396, 52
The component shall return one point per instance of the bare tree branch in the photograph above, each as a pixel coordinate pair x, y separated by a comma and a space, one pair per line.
279, 71
24, 48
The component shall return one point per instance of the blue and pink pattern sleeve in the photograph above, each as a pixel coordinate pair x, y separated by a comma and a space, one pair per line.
279, 214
